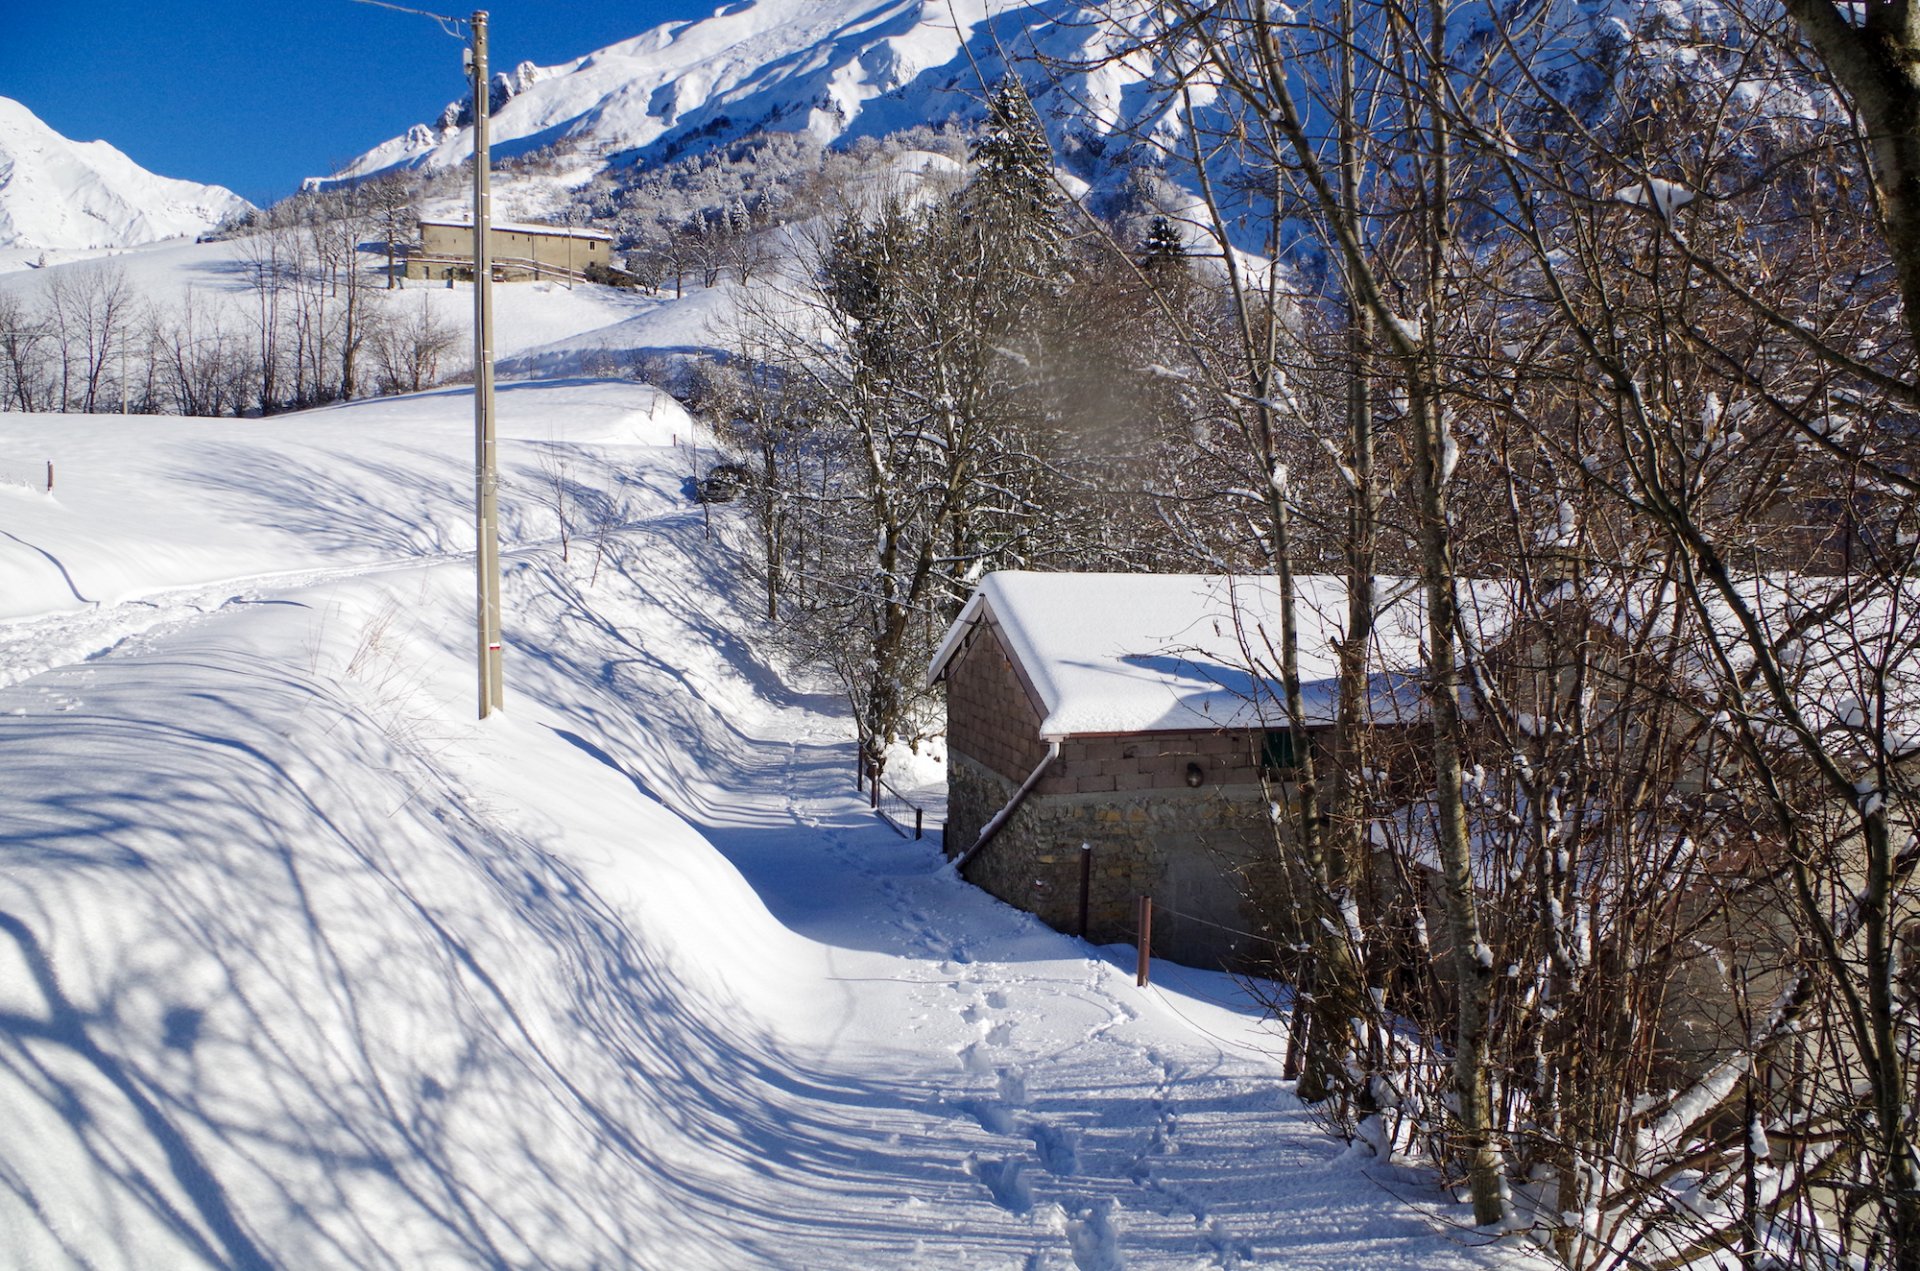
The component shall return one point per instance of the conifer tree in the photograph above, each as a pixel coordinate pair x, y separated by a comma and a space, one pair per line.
1012, 201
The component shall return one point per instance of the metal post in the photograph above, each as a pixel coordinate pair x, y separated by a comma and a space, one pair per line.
49, 476
1086, 884
1145, 937
487, 513
918, 815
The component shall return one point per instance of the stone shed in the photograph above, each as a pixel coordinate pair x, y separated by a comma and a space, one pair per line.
1137, 714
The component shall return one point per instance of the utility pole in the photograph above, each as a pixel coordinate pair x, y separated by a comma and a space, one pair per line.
487, 521
486, 555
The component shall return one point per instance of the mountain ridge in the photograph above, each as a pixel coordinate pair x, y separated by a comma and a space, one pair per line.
61, 195
827, 68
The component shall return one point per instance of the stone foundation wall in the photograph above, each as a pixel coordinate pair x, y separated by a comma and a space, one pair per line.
1205, 852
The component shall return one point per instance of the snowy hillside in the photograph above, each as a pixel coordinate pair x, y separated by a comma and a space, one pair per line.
302, 966
830, 68
59, 196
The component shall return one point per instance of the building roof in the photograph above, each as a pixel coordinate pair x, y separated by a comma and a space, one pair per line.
1125, 653
527, 227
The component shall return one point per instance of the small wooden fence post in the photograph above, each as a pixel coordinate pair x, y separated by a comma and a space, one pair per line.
1146, 941
919, 815
49, 476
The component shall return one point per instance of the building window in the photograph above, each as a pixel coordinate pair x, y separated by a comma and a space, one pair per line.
1277, 755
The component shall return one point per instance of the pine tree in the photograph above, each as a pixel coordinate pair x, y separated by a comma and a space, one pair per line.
1012, 198
1163, 245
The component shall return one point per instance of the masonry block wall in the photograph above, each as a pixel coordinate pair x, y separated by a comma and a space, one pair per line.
1205, 853
558, 250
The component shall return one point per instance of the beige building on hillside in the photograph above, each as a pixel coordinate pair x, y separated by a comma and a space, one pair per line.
521, 252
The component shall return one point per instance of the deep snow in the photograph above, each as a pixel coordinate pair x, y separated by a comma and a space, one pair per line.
301, 966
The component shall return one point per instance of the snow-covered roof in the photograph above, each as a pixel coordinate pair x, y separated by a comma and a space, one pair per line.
527, 227
1849, 647
1124, 653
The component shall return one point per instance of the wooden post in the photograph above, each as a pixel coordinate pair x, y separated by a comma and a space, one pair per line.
873, 779
918, 814
1086, 884
49, 476
1145, 937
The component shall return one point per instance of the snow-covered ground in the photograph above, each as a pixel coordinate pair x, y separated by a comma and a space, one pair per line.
302, 966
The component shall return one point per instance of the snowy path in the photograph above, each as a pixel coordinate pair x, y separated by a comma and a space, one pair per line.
1107, 1125
300, 967
42, 642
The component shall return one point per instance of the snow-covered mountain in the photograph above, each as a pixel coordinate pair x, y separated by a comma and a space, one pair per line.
830, 68
60, 195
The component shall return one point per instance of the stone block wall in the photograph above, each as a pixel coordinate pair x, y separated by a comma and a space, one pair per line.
992, 715
1207, 853
1135, 762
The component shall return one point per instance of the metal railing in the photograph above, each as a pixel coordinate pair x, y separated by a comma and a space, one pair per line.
889, 804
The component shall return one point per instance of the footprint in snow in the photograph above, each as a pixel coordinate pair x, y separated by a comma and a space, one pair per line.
994, 1118
1092, 1232
1012, 1087
1227, 1247
1005, 1180
974, 1058
1059, 1149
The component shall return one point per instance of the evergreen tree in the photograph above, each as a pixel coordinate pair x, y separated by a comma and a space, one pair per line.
1163, 246
1013, 200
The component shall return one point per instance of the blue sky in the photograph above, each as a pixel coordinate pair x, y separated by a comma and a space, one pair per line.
255, 96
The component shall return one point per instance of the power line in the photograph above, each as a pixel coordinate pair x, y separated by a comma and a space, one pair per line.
450, 25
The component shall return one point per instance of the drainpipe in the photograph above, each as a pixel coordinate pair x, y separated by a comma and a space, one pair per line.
992, 827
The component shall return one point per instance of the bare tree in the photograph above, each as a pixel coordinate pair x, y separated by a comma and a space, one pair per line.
91, 307
25, 338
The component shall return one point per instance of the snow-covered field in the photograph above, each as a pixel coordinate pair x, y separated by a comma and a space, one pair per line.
301, 966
